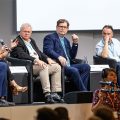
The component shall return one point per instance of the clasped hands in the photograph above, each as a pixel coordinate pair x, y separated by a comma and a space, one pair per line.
106, 39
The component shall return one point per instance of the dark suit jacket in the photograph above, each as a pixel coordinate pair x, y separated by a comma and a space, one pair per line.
53, 48
22, 52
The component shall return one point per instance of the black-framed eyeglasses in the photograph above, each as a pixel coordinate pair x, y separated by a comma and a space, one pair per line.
65, 27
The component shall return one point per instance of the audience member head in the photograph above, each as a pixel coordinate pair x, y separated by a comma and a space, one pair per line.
104, 112
109, 74
62, 113
46, 114
4, 118
107, 31
26, 31
93, 117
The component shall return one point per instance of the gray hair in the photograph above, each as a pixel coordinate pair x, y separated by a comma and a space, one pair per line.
25, 25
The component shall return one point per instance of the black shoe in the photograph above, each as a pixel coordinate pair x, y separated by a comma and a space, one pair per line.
57, 98
4, 103
49, 99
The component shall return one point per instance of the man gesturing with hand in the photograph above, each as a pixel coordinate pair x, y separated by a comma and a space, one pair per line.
58, 47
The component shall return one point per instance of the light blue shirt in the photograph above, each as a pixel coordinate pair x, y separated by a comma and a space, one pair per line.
113, 49
63, 45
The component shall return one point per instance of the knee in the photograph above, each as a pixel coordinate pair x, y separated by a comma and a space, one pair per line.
86, 67
57, 67
45, 69
3, 65
75, 71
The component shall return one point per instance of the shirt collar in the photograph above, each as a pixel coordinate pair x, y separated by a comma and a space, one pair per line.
25, 40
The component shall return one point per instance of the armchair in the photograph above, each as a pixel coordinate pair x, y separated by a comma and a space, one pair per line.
35, 92
100, 60
28, 65
34, 84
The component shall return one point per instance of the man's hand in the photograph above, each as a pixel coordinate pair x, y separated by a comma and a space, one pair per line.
62, 60
14, 43
41, 63
50, 61
75, 38
106, 39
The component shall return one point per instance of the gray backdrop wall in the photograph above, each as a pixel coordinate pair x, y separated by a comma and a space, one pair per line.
87, 42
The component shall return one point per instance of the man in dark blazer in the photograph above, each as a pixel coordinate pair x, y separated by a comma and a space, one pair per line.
57, 47
42, 64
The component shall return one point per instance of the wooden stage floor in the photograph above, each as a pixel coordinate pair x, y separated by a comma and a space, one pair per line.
28, 112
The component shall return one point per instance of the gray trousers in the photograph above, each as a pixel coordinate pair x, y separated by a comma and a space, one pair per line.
50, 77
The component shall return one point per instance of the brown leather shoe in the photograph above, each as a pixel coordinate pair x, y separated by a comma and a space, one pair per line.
16, 89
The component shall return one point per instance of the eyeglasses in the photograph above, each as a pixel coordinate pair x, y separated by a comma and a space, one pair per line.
65, 27
27, 32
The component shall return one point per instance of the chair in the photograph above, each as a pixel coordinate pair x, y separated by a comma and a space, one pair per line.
100, 60
28, 65
34, 86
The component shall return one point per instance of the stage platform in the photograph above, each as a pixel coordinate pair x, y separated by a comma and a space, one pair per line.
28, 112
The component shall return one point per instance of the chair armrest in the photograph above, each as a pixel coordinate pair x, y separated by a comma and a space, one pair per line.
28, 64
18, 62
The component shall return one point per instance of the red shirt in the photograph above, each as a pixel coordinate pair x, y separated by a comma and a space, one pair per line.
111, 100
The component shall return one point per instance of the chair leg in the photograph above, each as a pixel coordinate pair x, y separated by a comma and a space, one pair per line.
63, 82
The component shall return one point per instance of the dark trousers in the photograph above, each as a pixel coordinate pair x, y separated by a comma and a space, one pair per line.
3, 79
79, 73
118, 72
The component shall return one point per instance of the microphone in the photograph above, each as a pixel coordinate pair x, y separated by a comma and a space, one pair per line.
107, 90
107, 83
110, 90
2, 42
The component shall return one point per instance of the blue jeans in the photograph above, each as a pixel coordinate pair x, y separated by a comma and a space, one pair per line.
79, 73
3, 79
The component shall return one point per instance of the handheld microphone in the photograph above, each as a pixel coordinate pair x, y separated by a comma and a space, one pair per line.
2, 42
110, 90
106, 90
107, 83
